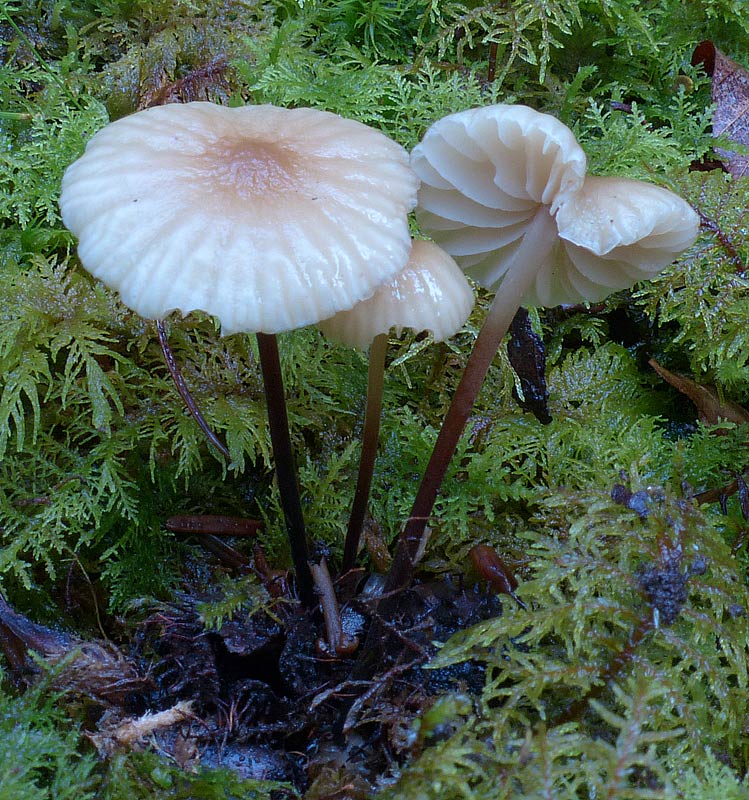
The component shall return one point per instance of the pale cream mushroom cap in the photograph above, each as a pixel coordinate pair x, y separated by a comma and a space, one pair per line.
634, 228
505, 185
268, 218
429, 294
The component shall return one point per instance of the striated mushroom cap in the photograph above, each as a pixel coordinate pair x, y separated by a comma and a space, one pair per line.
429, 294
268, 218
618, 231
505, 187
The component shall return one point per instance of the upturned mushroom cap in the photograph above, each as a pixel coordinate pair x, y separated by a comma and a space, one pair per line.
505, 185
268, 218
429, 294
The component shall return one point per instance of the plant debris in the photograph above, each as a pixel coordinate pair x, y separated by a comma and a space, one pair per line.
259, 695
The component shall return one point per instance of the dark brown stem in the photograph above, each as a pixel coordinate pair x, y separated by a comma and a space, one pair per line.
370, 438
517, 281
285, 470
184, 392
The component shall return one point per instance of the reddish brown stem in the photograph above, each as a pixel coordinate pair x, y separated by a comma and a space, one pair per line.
518, 279
278, 422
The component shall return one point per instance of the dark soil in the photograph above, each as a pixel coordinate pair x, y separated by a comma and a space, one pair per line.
267, 698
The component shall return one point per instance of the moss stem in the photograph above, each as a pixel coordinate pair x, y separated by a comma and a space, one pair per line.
184, 392
370, 438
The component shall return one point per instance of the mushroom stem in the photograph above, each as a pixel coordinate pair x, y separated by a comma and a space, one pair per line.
370, 438
278, 423
184, 392
521, 272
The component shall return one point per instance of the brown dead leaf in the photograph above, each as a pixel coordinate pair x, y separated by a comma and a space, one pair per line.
203, 82
711, 410
730, 92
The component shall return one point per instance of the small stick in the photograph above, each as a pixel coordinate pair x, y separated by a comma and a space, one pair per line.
216, 524
714, 495
334, 690
184, 392
338, 642
226, 554
394, 672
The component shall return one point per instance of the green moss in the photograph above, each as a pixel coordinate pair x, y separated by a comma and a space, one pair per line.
145, 775
42, 760
39, 753
607, 684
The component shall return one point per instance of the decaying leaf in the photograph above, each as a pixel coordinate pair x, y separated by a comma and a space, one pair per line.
525, 350
710, 408
730, 92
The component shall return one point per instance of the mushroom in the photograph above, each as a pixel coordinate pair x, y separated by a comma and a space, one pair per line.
429, 294
504, 191
268, 218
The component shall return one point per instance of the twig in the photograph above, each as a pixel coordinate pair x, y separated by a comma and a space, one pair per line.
184, 392
337, 689
397, 670
338, 642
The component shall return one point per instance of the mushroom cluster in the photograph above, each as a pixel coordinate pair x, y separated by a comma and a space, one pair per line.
504, 191
267, 218
272, 219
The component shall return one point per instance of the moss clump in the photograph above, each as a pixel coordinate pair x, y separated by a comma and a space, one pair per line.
627, 666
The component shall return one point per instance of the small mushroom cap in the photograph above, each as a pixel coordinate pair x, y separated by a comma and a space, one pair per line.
429, 294
618, 218
502, 180
268, 218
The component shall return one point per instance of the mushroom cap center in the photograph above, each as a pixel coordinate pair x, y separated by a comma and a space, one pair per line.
248, 168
